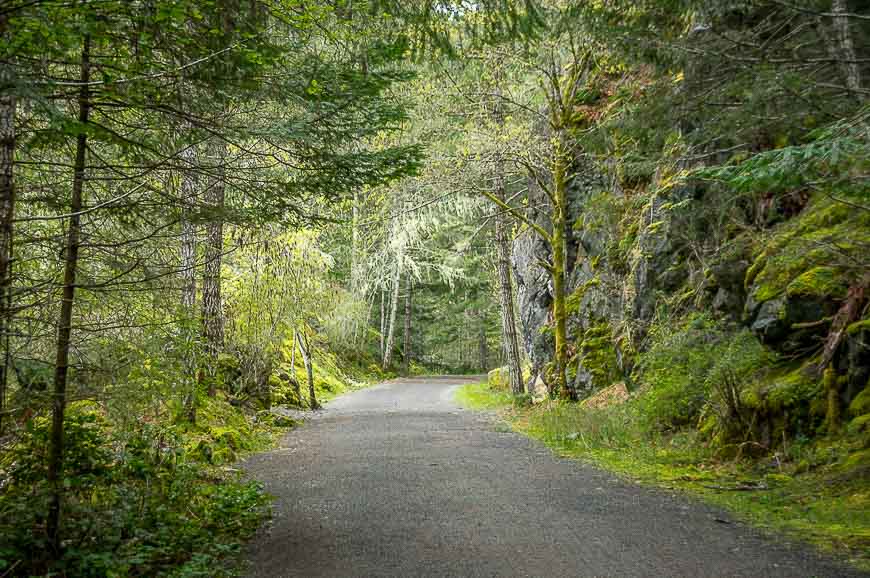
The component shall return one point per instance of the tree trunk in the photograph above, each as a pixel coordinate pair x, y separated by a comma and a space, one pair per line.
560, 169
506, 303
406, 350
64, 323
383, 320
394, 305
188, 186
212, 313
7, 212
305, 348
483, 346
296, 387
851, 71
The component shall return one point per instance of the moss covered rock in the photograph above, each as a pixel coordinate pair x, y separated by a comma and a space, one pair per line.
802, 273
499, 378
861, 404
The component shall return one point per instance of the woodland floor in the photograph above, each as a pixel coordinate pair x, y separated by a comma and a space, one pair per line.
397, 480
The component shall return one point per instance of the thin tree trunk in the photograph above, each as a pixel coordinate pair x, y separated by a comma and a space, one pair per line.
406, 350
506, 302
212, 313
560, 186
383, 320
483, 346
851, 71
296, 387
305, 348
394, 305
7, 212
64, 323
188, 186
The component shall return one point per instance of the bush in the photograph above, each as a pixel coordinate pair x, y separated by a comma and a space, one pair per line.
673, 372
132, 505
699, 367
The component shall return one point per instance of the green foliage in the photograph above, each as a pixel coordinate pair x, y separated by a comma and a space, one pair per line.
830, 156
673, 371
499, 378
138, 501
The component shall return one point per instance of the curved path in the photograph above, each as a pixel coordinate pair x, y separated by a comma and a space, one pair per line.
396, 480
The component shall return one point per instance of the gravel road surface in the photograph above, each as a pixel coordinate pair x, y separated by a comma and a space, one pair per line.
396, 480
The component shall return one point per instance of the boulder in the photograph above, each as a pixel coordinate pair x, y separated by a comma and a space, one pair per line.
613, 395
538, 390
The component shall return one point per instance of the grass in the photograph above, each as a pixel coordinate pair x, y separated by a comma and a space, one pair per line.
479, 396
816, 492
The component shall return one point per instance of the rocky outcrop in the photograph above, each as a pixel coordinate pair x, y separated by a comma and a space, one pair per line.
534, 296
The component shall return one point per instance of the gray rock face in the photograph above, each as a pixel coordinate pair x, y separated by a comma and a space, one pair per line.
534, 296
790, 324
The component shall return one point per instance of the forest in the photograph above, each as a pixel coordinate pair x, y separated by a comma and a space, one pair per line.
647, 220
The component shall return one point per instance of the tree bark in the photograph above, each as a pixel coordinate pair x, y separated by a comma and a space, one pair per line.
305, 348
560, 186
406, 349
851, 71
506, 302
394, 305
212, 311
483, 346
383, 320
7, 212
64, 323
188, 186
296, 387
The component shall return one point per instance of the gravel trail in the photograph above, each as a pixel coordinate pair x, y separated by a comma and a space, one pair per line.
396, 480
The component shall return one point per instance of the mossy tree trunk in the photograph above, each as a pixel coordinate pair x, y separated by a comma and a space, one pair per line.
560, 83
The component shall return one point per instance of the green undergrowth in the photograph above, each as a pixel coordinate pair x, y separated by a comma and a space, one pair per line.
333, 376
158, 497
811, 490
479, 396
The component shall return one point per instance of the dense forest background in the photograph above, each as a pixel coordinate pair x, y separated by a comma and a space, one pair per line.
214, 210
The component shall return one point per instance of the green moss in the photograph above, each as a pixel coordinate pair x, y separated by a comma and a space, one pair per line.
754, 270
573, 301
861, 404
818, 281
783, 389
860, 424
858, 326
802, 256
597, 353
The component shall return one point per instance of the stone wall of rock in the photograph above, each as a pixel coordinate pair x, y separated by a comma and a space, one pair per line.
624, 264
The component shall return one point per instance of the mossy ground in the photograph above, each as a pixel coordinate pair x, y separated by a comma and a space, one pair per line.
815, 492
